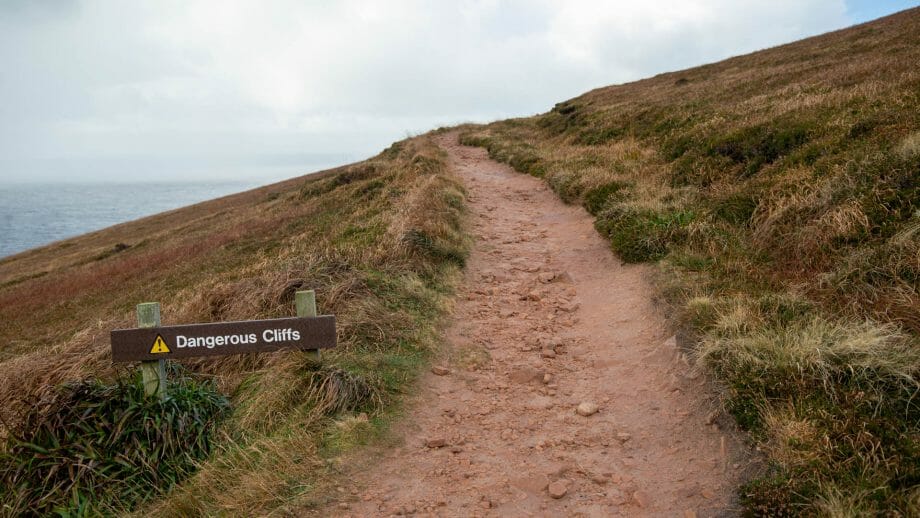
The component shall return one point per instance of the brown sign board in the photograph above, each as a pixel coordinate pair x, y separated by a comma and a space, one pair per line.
223, 338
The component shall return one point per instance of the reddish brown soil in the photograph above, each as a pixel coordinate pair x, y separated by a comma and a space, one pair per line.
548, 318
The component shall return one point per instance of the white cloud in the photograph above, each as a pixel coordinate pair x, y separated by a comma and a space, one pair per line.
224, 79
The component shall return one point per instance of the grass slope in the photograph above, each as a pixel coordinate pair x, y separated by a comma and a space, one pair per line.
779, 193
380, 241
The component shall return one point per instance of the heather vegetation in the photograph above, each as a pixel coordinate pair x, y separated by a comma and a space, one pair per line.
381, 242
779, 195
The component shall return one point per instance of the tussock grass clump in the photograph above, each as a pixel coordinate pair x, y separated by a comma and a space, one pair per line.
335, 390
756, 146
778, 194
910, 146
811, 349
601, 197
735, 208
94, 447
642, 235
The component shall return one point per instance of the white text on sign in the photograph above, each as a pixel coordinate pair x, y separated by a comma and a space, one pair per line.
210, 342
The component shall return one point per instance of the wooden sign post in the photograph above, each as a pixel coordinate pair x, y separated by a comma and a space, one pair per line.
153, 373
305, 303
152, 344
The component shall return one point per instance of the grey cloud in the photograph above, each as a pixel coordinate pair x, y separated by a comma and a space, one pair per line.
212, 82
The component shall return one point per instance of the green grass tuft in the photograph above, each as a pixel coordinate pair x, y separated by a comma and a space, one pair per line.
95, 447
642, 235
598, 198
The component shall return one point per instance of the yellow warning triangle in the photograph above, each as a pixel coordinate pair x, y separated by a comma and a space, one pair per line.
159, 346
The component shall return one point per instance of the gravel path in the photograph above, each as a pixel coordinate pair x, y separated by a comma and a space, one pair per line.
561, 393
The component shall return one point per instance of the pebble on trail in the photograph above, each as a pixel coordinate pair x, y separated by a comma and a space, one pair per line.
558, 489
586, 409
438, 442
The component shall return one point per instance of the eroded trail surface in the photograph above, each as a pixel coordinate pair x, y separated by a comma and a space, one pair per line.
549, 319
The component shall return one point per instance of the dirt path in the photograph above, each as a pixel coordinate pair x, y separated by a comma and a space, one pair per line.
548, 319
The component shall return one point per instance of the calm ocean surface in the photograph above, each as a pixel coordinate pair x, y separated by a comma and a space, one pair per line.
32, 215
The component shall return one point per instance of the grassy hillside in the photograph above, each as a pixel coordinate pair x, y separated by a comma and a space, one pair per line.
779, 193
381, 243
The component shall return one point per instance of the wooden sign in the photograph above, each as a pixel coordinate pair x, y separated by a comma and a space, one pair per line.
223, 338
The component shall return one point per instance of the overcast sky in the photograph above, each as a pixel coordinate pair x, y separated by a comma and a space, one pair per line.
109, 89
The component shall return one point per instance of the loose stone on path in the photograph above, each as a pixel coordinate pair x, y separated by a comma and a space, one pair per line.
558, 489
586, 409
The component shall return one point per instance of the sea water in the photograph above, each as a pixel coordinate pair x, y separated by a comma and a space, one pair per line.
35, 214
